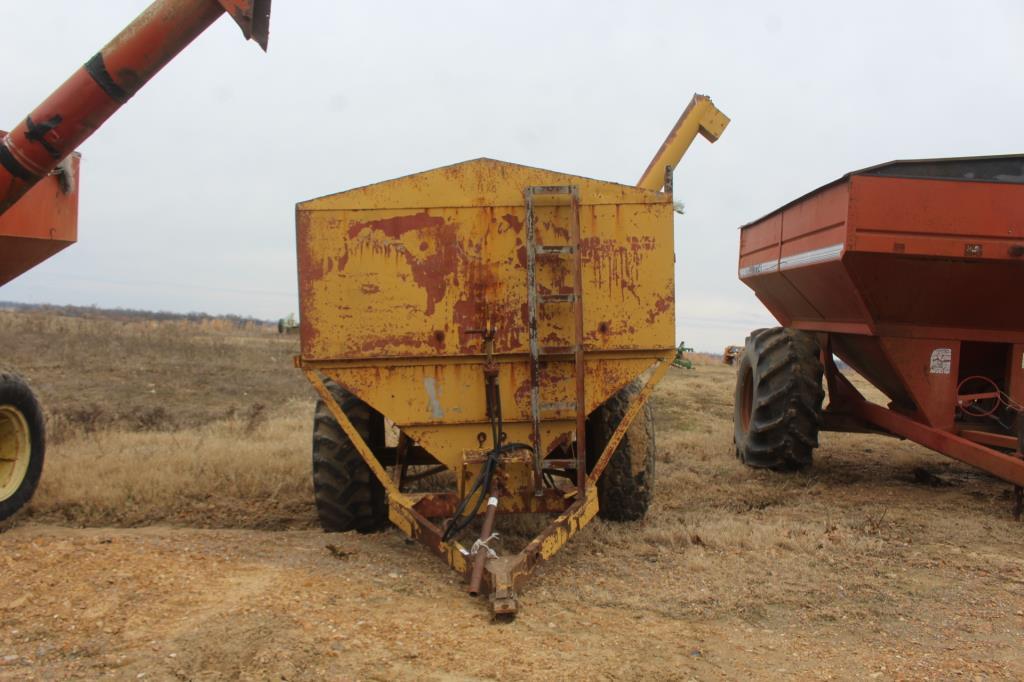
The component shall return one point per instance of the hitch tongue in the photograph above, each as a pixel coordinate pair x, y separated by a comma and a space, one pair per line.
504, 601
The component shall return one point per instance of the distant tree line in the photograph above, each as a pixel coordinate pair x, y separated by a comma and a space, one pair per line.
133, 314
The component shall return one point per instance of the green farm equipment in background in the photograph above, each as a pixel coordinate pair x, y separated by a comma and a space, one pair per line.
681, 361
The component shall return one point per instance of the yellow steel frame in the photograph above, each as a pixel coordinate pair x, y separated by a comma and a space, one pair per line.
506, 574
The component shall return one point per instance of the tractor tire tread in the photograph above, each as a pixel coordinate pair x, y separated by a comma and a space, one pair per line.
785, 408
347, 494
626, 487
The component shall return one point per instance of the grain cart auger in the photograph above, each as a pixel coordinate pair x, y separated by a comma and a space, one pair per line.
910, 273
39, 183
482, 337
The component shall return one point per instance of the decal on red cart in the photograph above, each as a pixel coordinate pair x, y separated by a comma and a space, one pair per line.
942, 360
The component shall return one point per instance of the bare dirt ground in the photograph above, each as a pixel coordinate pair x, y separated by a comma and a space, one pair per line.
188, 551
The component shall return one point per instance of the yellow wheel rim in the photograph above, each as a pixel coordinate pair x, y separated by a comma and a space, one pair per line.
15, 450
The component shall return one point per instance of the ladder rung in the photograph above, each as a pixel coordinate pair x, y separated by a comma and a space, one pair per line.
568, 406
549, 189
559, 250
559, 350
558, 298
559, 196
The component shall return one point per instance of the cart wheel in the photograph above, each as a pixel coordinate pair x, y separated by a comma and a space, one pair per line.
348, 496
22, 444
626, 487
778, 399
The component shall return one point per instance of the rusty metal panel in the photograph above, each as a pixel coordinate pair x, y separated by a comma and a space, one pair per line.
394, 282
442, 405
397, 279
478, 183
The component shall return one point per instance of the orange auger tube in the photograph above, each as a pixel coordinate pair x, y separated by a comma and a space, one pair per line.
109, 79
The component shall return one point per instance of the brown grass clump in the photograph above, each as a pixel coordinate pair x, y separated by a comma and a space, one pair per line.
146, 375
703, 359
202, 423
248, 471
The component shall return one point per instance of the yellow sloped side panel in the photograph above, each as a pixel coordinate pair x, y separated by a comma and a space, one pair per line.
396, 279
481, 182
444, 405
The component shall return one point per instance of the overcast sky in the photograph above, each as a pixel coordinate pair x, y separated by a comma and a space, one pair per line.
188, 193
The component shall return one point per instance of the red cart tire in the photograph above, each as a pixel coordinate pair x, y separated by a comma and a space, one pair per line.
777, 407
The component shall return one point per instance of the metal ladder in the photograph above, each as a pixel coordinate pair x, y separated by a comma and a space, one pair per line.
538, 353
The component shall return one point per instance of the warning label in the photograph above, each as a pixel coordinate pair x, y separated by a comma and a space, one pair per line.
942, 359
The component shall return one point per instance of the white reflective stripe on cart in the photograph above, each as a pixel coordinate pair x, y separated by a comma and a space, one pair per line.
821, 255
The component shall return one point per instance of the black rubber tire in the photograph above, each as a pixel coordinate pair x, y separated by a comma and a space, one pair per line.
348, 496
777, 407
626, 487
15, 395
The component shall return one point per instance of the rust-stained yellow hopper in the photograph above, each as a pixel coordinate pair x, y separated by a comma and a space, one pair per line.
456, 319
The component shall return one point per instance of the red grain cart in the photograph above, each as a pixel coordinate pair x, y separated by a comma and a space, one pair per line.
910, 272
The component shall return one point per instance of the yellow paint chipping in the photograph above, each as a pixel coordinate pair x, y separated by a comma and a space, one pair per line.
397, 277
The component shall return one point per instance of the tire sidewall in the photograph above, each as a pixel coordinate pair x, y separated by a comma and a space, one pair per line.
784, 394
747, 365
626, 487
16, 393
346, 456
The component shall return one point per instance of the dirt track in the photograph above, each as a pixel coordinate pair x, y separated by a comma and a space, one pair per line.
754, 600
192, 604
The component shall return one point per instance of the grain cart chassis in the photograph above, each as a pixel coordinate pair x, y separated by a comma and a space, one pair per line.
910, 273
510, 323
485, 572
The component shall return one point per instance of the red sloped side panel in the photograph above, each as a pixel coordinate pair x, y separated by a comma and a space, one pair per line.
938, 253
40, 224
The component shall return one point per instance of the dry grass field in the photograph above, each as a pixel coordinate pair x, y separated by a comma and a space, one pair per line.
173, 537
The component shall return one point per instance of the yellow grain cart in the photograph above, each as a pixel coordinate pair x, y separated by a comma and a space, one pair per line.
483, 337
